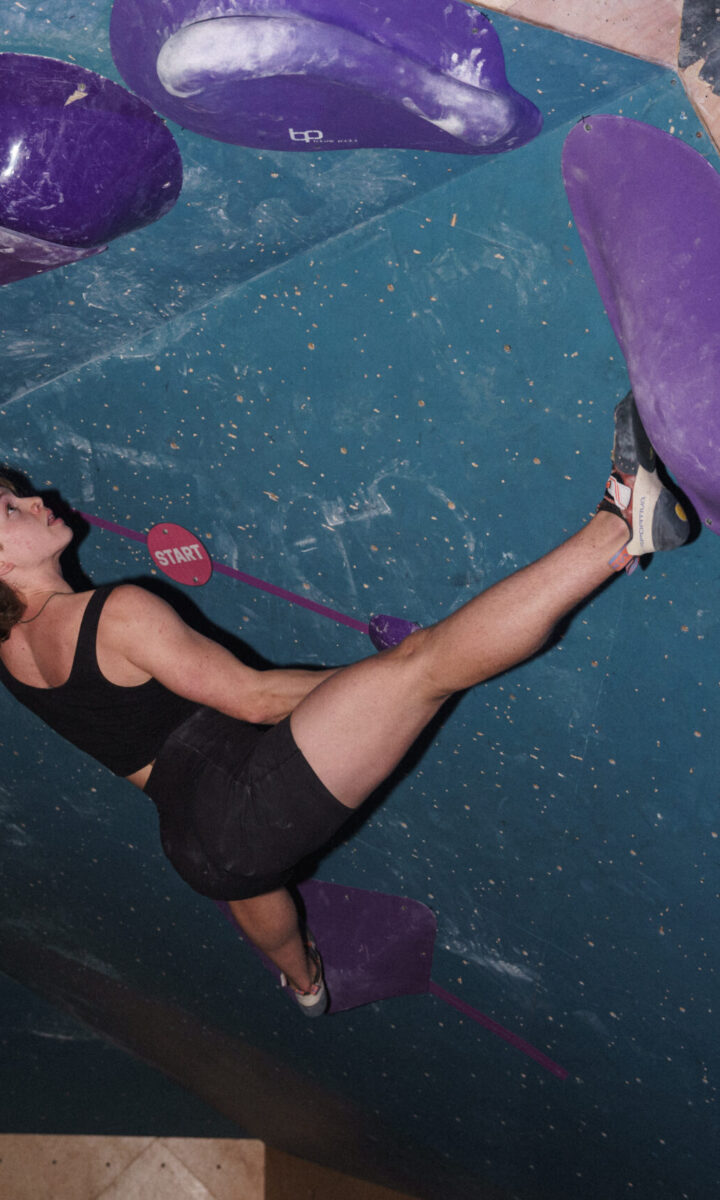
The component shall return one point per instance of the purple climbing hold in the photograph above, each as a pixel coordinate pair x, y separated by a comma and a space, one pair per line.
324, 74
374, 945
22, 256
82, 161
647, 208
387, 631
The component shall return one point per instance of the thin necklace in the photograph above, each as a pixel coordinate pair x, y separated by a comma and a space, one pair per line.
37, 614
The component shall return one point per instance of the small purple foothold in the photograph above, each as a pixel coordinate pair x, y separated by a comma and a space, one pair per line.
385, 631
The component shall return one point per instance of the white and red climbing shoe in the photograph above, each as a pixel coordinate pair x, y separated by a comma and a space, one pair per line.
314, 1002
655, 518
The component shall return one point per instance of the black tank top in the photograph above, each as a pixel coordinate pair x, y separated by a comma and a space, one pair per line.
122, 727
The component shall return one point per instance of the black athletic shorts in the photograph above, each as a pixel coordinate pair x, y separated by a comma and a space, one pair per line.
239, 805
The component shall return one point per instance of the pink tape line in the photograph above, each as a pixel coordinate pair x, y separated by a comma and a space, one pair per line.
250, 580
499, 1030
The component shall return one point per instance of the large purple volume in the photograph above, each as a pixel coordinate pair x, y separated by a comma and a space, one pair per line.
82, 161
647, 208
324, 74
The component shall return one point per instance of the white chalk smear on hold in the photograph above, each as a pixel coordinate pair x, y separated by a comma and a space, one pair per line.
227, 47
467, 70
238, 48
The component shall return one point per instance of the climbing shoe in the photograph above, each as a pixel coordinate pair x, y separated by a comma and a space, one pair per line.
313, 1003
634, 491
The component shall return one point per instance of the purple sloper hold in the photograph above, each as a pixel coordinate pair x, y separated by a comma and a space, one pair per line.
374, 946
647, 208
314, 75
82, 161
385, 631
22, 256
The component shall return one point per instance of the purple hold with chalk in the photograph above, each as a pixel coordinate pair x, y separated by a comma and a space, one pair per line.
385, 631
309, 75
82, 161
647, 208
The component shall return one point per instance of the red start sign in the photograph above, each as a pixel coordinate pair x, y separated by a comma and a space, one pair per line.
179, 554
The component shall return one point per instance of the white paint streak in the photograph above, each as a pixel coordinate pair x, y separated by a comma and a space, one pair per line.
336, 512
139, 458
519, 972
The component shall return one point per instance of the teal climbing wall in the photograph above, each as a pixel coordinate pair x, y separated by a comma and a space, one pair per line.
379, 380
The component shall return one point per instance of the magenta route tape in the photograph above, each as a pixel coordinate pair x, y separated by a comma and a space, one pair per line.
499, 1030
128, 533
282, 593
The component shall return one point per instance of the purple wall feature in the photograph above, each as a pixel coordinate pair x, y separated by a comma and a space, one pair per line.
386, 631
22, 256
374, 946
82, 161
310, 75
647, 208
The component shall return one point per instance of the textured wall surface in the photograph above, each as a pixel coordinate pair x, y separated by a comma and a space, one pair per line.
381, 380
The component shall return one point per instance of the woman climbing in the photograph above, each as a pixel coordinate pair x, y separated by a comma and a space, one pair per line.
251, 771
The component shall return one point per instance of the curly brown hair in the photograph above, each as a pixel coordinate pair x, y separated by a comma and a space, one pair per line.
11, 606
